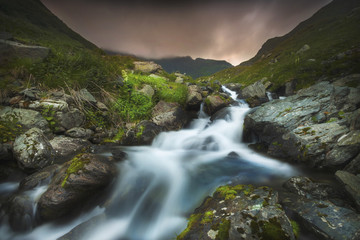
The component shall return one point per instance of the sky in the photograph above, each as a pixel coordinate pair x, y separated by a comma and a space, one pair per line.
231, 30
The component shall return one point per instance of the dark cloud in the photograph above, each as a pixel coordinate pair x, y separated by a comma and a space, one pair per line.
230, 30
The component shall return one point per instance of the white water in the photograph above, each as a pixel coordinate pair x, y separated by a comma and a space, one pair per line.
160, 185
269, 96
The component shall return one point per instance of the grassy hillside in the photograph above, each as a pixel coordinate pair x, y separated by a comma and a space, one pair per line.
194, 68
333, 35
73, 60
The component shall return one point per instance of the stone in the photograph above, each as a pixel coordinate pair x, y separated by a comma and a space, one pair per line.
21, 213
354, 166
169, 115
143, 134
147, 67
6, 153
66, 147
79, 132
304, 48
355, 120
39, 177
10, 50
179, 80
351, 184
194, 98
254, 90
147, 90
83, 177
54, 105
32, 150
290, 88
70, 119
102, 107
214, 103
239, 212
86, 96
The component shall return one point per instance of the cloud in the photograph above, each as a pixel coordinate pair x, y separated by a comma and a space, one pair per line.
230, 30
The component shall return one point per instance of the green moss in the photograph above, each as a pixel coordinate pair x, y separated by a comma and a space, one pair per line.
272, 230
296, 228
10, 127
139, 132
332, 120
193, 220
341, 114
230, 192
208, 217
77, 163
224, 228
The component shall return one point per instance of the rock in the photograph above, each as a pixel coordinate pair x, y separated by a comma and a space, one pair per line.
305, 187
86, 96
70, 119
102, 107
27, 118
169, 115
78, 132
78, 179
351, 184
236, 87
148, 91
21, 213
32, 150
6, 153
147, 67
303, 49
15, 100
214, 103
54, 105
254, 90
290, 88
143, 134
355, 120
255, 101
65, 147
354, 166
239, 212
39, 177
194, 98
325, 219
224, 113
10, 50
6, 36
179, 80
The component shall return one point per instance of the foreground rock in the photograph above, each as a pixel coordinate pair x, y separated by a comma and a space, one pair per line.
32, 150
70, 189
312, 126
214, 103
194, 98
169, 115
239, 212
143, 134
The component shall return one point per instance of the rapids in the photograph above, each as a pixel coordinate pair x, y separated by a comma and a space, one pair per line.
160, 185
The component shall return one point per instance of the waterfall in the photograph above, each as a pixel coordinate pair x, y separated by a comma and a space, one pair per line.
160, 185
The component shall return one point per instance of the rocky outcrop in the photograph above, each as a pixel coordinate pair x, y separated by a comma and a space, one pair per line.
147, 67
312, 126
169, 115
39, 177
143, 134
71, 187
194, 98
10, 50
214, 103
70, 119
32, 150
239, 212
351, 184
66, 147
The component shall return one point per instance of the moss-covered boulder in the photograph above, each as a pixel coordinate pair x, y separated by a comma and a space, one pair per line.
84, 176
239, 212
214, 103
33, 151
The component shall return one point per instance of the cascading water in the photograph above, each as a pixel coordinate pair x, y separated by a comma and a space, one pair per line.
160, 185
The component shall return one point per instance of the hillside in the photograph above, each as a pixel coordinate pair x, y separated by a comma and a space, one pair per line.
194, 68
325, 45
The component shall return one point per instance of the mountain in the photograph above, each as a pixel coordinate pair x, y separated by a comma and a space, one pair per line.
326, 45
194, 68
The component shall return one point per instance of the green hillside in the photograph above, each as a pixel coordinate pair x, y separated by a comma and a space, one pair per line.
194, 68
73, 60
333, 35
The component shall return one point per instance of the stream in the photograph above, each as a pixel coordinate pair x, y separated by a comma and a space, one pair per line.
160, 185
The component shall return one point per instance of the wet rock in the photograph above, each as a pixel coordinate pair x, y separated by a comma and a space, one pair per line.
32, 150
351, 184
39, 177
354, 166
239, 212
20, 211
78, 132
214, 103
10, 50
143, 134
256, 101
65, 147
256, 90
27, 118
78, 179
325, 219
236, 87
70, 119
6, 153
147, 90
169, 115
194, 98
147, 67
224, 113
355, 120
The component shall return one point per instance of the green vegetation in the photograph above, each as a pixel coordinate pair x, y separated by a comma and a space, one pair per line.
331, 34
208, 217
230, 192
77, 163
223, 227
10, 127
194, 218
296, 228
49, 114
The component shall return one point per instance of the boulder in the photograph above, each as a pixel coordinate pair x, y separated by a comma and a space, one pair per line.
66, 147
32, 150
236, 87
6, 153
239, 212
10, 50
86, 96
147, 67
143, 134
20, 210
169, 115
70, 119
194, 98
78, 132
256, 89
351, 184
354, 166
54, 105
304, 48
147, 90
39, 177
31, 94
26, 118
214, 103
83, 177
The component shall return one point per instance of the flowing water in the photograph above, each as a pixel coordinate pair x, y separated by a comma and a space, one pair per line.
160, 185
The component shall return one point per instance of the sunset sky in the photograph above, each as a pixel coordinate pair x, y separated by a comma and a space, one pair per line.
231, 30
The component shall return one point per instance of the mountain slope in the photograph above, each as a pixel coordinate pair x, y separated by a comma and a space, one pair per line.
325, 45
194, 68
